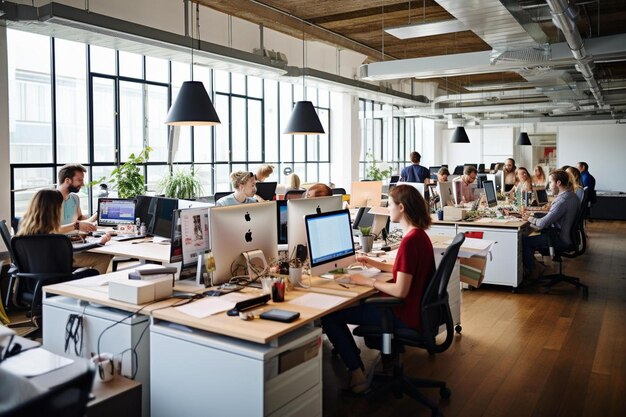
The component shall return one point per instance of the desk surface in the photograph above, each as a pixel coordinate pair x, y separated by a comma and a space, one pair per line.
140, 249
485, 222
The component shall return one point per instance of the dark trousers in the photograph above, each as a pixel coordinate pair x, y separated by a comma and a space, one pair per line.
336, 328
531, 244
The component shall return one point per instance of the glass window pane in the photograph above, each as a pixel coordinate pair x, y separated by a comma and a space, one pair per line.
30, 110
311, 142
182, 146
255, 128
239, 130
71, 101
299, 149
131, 65
271, 121
300, 169
205, 175
155, 174
222, 81
255, 87
157, 69
97, 173
222, 133
131, 119
103, 111
156, 110
28, 179
286, 107
238, 83
181, 72
102, 60
203, 144
378, 131
204, 74
324, 140
311, 172
324, 174
311, 95
222, 178
324, 99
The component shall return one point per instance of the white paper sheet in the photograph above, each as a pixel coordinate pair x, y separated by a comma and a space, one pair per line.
318, 301
35, 362
207, 307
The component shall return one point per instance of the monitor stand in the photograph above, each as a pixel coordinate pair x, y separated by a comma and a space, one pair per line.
161, 240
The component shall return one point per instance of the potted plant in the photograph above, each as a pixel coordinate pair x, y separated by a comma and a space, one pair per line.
127, 178
366, 238
181, 184
376, 172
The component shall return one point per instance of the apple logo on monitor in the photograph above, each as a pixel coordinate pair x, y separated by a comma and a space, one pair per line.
247, 216
318, 210
248, 236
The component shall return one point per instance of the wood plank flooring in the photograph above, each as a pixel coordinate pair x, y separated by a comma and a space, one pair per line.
525, 353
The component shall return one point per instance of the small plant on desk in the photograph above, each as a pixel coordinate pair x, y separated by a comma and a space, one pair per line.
366, 238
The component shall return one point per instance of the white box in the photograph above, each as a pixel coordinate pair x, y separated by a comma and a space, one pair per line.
141, 291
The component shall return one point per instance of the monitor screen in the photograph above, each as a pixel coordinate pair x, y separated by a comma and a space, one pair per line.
234, 230
444, 189
480, 179
329, 239
281, 221
162, 225
541, 195
433, 172
266, 190
114, 211
394, 179
297, 209
366, 194
194, 231
365, 219
145, 208
490, 193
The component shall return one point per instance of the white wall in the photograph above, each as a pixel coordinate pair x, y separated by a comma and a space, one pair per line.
487, 145
602, 146
5, 172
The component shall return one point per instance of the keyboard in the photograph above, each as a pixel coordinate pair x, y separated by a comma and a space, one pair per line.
124, 238
83, 246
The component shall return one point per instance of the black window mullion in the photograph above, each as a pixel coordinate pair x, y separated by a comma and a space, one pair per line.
53, 124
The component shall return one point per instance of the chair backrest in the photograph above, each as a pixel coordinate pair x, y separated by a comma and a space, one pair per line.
6, 237
68, 399
221, 194
294, 194
43, 254
339, 191
435, 309
577, 232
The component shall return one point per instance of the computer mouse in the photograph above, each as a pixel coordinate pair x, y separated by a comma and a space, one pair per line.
356, 267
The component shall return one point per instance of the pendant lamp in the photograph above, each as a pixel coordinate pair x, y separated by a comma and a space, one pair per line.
523, 138
304, 119
192, 106
460, 135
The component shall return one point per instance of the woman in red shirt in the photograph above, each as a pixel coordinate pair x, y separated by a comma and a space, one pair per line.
412, 270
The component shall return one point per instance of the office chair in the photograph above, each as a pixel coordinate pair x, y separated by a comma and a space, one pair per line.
339, 191
574, 250
294, 194
6, 237
43, 260
435, 311
220, 194
481, 167
68, 399
458, 170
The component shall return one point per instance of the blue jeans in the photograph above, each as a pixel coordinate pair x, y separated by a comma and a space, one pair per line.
531, 244
336, 328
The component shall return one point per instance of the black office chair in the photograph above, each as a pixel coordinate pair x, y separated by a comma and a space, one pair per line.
68, 399
43, 260
221, 194
574, 250
481, 167
339, 191
294, 194
458, 170
435, 311
6, 238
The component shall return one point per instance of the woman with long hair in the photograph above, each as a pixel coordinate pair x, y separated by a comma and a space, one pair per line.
43, 216
539, 177
523, 181
576, 181
412, 270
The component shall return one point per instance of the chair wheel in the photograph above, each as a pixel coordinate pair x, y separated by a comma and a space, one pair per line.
445, 393
458, 328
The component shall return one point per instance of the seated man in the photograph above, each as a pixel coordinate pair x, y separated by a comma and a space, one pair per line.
244, 184
468, 181
562, 215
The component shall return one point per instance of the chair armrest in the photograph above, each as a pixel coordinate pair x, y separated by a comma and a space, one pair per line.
41, 276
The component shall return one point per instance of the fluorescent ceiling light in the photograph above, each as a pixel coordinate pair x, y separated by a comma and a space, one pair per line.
427, 29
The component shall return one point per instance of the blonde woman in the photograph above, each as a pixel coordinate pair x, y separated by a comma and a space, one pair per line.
523, 181
576, 181
244, 184
43, 216
263, 172
294, 182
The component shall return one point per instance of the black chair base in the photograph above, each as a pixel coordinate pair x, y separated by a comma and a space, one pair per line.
554, 279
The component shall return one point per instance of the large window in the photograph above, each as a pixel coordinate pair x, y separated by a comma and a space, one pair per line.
76, 103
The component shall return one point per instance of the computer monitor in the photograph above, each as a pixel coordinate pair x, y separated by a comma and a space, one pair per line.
445, 193
394, 179
238, 229
433, 172
281, 221
190, 240
457, 192
366, 194
329, 241
145, 209
162, 225
114, 211
183, 204
499, 181
490, 193
541, 195
297, 209
458, 170
419, 187
377, 222
266, 190
480, 179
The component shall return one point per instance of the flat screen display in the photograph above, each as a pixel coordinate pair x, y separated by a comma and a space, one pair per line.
329, 239
114, 211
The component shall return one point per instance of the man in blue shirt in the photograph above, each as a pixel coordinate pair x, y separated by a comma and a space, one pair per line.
588, 181
415, 172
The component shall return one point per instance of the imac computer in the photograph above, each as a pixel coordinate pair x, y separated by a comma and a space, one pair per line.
541, 195
235, 230
366, 194
329, 241
162, 225
394, 179
457, 192
114, 211
266, 190
445, 193
183, 204
377, 222
419, 187
499, 181
190, 241
145, 209
281, 221
490, 193
297, 209
433, 172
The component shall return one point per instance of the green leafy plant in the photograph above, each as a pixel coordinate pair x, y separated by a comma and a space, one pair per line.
375, 171
365, 230
181, 184
127, 178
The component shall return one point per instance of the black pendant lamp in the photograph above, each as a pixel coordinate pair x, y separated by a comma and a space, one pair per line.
192, 106
304, 119
459, 135
523, 139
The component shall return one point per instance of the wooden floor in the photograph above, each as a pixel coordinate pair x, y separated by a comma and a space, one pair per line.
524, 354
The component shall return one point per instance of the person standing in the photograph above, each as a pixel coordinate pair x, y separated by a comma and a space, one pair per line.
415, 172
588, 181
71, 179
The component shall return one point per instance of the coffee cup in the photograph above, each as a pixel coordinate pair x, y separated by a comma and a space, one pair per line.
105, 366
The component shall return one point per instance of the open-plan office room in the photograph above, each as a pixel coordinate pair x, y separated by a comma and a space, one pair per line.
183, 93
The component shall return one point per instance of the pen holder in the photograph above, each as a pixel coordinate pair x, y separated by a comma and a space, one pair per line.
295, 276
278, 291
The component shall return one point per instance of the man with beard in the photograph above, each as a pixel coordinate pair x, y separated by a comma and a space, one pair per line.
509, 174
71, 179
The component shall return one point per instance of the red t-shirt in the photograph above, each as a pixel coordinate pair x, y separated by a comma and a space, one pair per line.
416, 258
